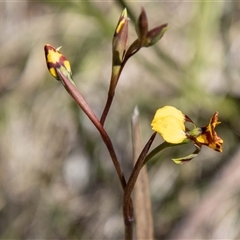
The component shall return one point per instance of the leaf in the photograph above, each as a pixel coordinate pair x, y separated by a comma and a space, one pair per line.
142, 203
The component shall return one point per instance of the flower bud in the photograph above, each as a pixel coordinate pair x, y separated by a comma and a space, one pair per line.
120, 39
142, 26
155, 34
56, 60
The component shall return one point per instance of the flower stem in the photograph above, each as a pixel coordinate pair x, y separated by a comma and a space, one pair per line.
159, 148
130, 185
76, 95
116, 72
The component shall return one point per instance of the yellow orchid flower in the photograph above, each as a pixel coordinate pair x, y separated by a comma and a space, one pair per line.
169, 122
209, 136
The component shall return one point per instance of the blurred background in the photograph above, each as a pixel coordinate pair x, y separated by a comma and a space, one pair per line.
56, 178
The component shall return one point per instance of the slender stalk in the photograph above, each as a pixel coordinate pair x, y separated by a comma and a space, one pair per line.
161, 147
157, 150
129, 229
130, 185
113, 85
76, 95
108, 102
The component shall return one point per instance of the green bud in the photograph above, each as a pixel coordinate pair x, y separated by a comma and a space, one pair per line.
154, 35
195, 132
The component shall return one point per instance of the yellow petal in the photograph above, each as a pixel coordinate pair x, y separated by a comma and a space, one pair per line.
171, 129
169, 111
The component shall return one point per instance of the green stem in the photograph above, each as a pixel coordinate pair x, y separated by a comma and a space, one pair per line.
116, 72
159, 148
76, 95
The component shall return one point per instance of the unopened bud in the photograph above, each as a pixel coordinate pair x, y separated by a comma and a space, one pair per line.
142, 26
155, 35
120, 39
57, 61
